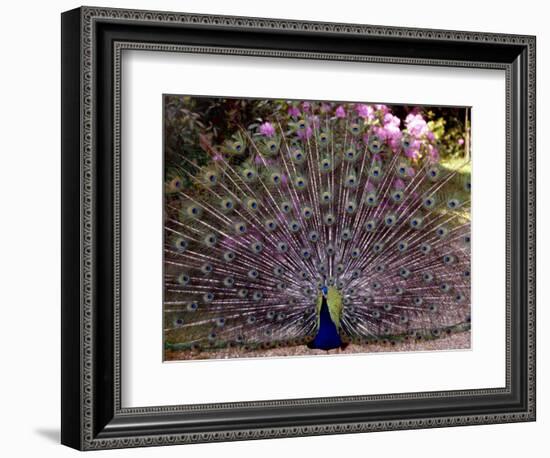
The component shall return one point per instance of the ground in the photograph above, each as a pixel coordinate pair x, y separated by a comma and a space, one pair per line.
457, 341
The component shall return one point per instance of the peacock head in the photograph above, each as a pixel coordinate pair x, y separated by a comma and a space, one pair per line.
324, 290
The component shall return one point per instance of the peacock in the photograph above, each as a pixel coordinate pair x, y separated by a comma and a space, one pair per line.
320, 226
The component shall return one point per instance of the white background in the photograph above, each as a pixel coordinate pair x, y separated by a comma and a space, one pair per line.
146, 381
29, 241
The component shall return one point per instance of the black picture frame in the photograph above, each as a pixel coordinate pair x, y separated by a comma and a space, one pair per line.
92, 40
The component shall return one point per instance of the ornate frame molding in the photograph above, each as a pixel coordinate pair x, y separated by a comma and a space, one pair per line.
89, 435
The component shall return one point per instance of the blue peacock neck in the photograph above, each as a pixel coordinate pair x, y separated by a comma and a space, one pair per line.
329, 309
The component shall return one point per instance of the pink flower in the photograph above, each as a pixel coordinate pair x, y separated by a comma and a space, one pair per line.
382, 108
461, 141
294, 111
413, 151
430, 136
314, 121
325, 107
399, 184
217, 157
416, 125
381, 133
433, 152
365, 111
370, 186
305, 134
267, 129
340, 112
392, 130
306, 107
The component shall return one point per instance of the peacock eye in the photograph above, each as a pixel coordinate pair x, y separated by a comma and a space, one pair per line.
351, 180
229, 281
452, 204
278, 271
207, 268
325, 164
256, 247
330, 249
229, 256
194, 211
397, 196
425, 248
240, 228
294, 226
282, 247
238, 146
253, 274
301, 124
442, 231
307, 212
313, 236
329, 219
192, 306
210, 240
208, 297
270, 225
306, 254
181, 244
355, 253
286, 207
184, 279
433, 172
300, 182
252, 204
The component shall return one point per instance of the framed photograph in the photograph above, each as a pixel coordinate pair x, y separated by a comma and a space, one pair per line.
277, 228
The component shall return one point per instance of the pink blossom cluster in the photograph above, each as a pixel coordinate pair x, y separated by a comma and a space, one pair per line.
415, 139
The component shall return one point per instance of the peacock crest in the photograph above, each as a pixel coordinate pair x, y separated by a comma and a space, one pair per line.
318, 225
